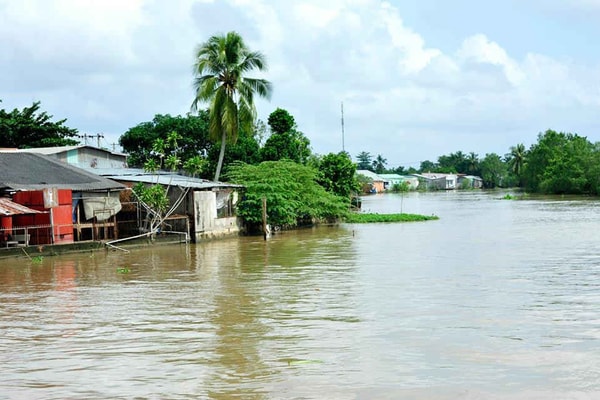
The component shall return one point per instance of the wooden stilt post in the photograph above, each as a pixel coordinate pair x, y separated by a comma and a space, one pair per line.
264, 218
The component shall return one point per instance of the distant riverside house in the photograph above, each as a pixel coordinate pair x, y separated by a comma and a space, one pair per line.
207, 210
389, 180
437, 180
472, 181
377, 183
81, 156
61, 203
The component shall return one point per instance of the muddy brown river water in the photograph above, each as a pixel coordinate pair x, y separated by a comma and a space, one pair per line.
499, 299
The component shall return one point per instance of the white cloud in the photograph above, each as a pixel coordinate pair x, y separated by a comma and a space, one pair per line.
109, 65
479, 49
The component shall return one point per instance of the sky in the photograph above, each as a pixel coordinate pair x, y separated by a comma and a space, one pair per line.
417, 78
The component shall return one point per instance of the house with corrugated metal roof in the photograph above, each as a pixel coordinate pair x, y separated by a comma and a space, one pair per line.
62, 203
206, 210
469, 181
389, 180
375, 181
84, 156
438, 181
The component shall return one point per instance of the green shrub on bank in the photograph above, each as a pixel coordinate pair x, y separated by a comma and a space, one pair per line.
292, 193
360, 218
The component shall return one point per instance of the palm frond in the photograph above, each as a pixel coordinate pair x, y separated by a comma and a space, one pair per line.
262, 87
253, 60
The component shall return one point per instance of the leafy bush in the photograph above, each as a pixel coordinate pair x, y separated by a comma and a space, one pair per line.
291, 190
403, 186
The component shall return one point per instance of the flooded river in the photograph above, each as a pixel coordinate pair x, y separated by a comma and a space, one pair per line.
499, 299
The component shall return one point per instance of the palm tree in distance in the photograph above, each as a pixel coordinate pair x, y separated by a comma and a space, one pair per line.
473, 163
220, 68
517, 160
379, 164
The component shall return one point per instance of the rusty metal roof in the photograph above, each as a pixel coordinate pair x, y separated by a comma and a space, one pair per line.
9, 207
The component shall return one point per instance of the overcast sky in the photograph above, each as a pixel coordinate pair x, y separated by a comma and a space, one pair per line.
418, 78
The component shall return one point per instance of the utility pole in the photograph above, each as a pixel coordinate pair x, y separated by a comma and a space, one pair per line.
343, 146
85, 137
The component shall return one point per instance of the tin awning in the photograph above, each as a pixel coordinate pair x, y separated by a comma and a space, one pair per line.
9, 207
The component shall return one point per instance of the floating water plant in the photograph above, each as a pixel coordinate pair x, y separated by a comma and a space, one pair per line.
37, 259
123, 270
363, 218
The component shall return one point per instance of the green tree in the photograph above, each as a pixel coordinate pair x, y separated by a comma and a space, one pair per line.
516, 161
281, 121
493, 170
453, 163
560, 163
428, 166
285, 142
593, 172
138, 141
365, 183
401, 170
473, 167
292, 192
31, 127
365, 161
222, 63
379, 164
337, 174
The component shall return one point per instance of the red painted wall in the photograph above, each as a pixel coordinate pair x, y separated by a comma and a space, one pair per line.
62, 217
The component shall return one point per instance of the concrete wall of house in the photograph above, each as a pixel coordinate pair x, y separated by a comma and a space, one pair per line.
378, 186
206, 223
94, 158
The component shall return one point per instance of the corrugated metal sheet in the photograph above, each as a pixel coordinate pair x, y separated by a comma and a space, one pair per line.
161, 177
174, 180
9, 207
58, 149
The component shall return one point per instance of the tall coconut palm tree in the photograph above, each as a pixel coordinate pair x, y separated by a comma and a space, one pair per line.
220, 68
473, 163
517, 160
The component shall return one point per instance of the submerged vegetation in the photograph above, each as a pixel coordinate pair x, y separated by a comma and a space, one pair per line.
364, 218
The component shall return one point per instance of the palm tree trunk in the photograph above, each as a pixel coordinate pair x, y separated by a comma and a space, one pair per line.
221, 156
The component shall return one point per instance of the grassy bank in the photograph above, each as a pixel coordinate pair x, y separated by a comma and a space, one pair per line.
360, 218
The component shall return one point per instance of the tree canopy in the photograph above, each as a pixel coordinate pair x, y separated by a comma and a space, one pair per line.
192, 129
286, 141
292, 192
365, 161
562, 163
281, 121
337, 174
31, 127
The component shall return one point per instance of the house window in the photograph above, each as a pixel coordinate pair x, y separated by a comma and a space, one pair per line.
225, 204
